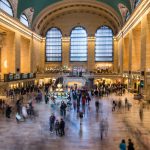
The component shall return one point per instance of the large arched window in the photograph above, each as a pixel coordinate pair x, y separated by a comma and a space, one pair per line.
104, 44
6, 6
78, 48
53, 45
136, 3
24, 20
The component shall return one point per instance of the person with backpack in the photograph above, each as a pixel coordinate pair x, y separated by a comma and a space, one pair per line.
51, 122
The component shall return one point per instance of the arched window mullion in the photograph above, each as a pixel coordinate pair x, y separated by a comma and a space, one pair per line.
54, 45
78, 45
6, 6
24, 20
104, 45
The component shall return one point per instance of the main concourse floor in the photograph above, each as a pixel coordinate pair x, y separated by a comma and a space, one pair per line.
34, 134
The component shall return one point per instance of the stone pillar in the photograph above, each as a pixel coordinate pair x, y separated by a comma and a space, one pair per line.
130, 46
66, 51
147, 41
17, 50
8, 54
136, 49
41, 60
91, 54
32, 56
37, 54
145, 54
126, 54
130, 50
25, 55
115, 65
120, 55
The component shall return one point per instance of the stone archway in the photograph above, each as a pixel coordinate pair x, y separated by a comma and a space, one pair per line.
54, 12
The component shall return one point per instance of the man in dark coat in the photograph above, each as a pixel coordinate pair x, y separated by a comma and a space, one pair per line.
62, 127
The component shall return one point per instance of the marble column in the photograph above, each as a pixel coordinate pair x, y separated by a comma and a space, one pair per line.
25, 55
126, 54
8, 54
145, 54
115, 65
66, 51
136, 49
91, 54
120, 55
17, 50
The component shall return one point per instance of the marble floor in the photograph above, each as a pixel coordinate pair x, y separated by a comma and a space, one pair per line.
33, 134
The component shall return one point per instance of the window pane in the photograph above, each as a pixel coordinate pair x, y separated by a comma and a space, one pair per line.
24, 20
53, 45
104, 44
78, 48
5, 5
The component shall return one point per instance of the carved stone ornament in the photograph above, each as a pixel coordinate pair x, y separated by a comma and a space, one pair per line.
14, 4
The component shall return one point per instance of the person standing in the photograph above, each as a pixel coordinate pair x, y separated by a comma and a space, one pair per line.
81, 117
114, 105
57, 125
141, 113
122, 145
106, 126
97, 106
24, 112
8, 111
74, 95
46, 99
126, 103
63, 108
83, 103
62, 127
102, 128
51, 122
130, 145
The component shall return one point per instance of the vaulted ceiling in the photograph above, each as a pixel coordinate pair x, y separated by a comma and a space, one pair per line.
42, 13
39, 5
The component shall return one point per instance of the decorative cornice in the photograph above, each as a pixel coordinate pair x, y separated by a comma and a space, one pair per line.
15, 24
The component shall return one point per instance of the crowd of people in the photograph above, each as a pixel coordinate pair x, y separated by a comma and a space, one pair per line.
119, 104
57, 125
106, 89
78, 100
